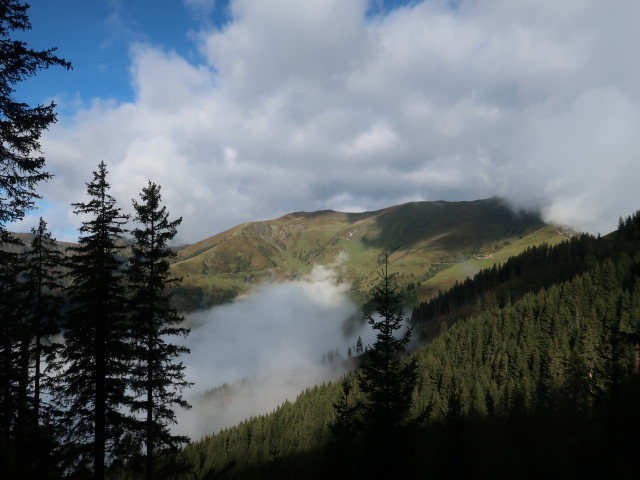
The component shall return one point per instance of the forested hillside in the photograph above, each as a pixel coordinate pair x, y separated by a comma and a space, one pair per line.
539, 377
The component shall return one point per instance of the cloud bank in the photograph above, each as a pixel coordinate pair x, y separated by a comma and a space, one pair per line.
310, 105
268, 346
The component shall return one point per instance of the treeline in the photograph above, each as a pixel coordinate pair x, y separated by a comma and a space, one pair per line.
89, 375
542, 384
263, 446
532, 270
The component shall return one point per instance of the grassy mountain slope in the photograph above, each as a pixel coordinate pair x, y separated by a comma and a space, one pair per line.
430, 244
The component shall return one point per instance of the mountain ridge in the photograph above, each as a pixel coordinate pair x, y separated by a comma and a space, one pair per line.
422, 240
430, 244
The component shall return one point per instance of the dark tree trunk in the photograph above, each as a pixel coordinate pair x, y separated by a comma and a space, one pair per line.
149, 440
99, 413
22, 407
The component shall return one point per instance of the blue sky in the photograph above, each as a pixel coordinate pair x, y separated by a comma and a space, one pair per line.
95, 36
248, 109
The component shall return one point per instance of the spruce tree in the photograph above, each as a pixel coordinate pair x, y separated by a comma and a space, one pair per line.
21, 168
42, 284
345, 428
385, 378
346, 423
157, 375
20, 125
36, 291
98, 352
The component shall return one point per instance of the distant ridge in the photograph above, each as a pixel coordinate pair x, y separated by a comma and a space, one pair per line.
430, 245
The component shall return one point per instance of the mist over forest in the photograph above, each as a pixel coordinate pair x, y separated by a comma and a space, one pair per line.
268, 346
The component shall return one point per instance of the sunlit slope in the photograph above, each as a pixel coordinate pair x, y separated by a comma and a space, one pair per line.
430, 245
550, 234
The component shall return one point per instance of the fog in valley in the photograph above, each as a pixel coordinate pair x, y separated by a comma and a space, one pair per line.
268, 346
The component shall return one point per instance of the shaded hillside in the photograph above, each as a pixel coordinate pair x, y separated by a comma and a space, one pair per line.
27, 238
542, 386
430, 244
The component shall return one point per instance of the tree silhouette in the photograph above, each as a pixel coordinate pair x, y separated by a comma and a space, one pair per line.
10, 343
359, 349
157, 376
37, 292
20, 125
346, 409
42, 284
21, 168
386, 380
97, 352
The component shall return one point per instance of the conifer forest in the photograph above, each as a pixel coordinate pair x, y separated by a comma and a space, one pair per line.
527, 369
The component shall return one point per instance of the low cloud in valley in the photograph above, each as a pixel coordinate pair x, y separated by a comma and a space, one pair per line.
267, 346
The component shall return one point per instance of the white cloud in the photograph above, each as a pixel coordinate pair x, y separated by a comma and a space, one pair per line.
309, 105
375, 140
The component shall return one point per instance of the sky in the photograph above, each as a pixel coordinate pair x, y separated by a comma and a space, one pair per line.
245, 110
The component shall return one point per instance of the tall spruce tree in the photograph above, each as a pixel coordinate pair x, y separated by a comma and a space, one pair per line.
42, 285
20, 125
385, 378
157, 376
98, 351
36, 291
21, 168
